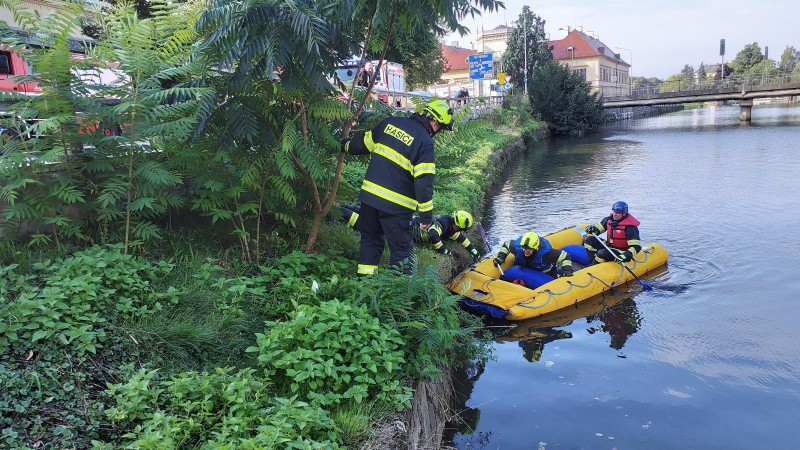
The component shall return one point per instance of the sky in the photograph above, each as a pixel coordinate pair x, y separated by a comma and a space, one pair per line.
661, 36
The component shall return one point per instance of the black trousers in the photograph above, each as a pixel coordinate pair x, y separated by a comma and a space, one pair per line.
597, 250
377, 226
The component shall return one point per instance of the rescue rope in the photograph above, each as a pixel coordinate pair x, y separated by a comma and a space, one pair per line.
551, 295
486, 287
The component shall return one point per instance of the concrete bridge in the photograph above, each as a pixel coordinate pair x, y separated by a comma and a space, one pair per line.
741, 90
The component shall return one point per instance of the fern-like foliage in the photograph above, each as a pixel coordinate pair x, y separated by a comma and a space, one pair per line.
65, 170
422, 309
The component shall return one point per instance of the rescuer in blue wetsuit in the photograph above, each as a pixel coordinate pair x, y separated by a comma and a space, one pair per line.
532, 252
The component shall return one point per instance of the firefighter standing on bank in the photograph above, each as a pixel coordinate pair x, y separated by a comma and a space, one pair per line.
398, 182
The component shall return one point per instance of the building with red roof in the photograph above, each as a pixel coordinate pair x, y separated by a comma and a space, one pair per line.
456, 69
605, 70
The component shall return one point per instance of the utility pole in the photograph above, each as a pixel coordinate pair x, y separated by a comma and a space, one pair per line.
525, 50
630, 69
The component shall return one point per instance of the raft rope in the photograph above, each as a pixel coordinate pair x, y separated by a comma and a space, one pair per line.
552, 295
486, 285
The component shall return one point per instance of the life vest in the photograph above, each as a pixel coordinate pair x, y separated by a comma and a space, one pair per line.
616, 236
535, 261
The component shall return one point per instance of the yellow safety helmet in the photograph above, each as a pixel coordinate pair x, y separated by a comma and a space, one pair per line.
441, 112
530, 241
463, 220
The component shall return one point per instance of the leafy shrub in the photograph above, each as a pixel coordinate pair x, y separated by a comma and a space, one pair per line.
72, 300
332, 352
279, 286
424, 312
59, 341
563, 98
224, 409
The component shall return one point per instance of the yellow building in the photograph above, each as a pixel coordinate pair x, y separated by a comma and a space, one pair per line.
494, 41
605, 70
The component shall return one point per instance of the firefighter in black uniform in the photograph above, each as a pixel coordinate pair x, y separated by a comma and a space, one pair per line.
398, 182
451, 227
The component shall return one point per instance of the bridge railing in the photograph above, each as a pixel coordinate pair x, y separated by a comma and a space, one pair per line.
690, 85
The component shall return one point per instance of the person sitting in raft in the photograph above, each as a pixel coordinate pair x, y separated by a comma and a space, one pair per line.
532, 252
622, 236
451, 227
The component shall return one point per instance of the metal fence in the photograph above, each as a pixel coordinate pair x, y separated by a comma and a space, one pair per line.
691, 85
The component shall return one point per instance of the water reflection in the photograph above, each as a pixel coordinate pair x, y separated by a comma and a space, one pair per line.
614, 313
465, 419
620, 321
714, 344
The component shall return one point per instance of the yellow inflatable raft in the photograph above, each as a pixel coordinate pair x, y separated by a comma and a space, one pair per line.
485, 293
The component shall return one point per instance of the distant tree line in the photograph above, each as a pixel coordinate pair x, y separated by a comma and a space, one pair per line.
749, 62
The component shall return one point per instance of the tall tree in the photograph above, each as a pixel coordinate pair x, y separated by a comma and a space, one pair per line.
673, 83
564, 99
749, 57
789, 59
527, 38
645, 84
688, 75
121, 183
276, 56
420, 54
701, 72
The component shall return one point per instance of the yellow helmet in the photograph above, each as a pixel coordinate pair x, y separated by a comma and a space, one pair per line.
529, 241
439, 111
463, 219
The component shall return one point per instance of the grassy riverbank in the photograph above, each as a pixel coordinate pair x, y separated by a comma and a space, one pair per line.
183, 345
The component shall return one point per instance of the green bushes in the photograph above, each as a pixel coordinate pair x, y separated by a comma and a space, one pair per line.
73, 300
223, 409
436, 332
332, 353
563, 99
61, 342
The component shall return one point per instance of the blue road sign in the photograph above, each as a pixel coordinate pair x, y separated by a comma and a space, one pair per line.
479, 57
479, 70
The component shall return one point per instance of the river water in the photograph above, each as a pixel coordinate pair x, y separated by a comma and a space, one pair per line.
710, 358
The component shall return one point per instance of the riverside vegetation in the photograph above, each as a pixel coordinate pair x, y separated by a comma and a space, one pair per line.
163, 294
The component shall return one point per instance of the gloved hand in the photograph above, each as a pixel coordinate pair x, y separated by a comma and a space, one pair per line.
497, 261
566, 271
344, 145
475, 255
623, 255
591, 229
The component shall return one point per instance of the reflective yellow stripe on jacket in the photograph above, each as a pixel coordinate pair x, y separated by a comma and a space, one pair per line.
392, 196
395, 157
